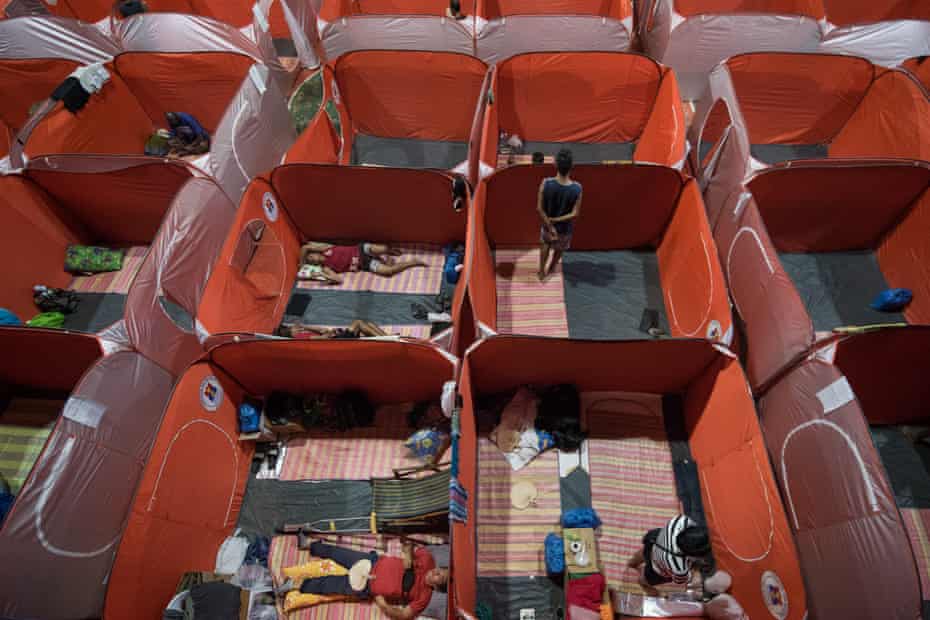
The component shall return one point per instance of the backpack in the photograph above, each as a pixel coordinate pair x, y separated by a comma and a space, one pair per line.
55, 300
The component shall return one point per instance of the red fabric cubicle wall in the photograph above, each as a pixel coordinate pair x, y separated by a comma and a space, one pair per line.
296, 203
192, 487
408, 94
750, 533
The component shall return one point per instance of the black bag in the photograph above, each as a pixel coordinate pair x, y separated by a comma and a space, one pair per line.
56, 300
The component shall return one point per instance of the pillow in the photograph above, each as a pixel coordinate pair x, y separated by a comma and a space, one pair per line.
92, 259
518, 416
428, 444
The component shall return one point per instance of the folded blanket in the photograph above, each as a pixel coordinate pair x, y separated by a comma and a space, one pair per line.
92, 259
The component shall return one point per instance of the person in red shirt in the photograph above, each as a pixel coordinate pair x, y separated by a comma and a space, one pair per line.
400, 587
337, 259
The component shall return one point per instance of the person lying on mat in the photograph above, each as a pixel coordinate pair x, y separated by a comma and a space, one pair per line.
188, 137
400, 586
358, 329
558, 205
669, 553
337, 259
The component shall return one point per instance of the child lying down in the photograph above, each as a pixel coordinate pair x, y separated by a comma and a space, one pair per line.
326, 261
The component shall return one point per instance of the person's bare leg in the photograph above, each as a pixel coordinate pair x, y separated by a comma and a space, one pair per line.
382, 249
637, 560
556, 257
317, 246
368, 329
390, 270
543, 259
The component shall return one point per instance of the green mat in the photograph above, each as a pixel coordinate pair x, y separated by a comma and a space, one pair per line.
305, 103
19, 449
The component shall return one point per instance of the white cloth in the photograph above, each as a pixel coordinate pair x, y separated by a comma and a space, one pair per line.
527, 449
231, 554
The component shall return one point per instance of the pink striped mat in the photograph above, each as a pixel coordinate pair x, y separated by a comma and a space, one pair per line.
524, 304
416, 281
284, 553
632, 479
113, 281
359, 454
510, 541
917, 523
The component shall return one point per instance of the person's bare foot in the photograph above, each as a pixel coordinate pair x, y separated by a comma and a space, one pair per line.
541, 276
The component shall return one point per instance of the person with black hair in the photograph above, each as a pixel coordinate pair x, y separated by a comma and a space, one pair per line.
559, 414
558, 205
459, 193
401, 587
539, 157
669, 553
128, 8
455, 10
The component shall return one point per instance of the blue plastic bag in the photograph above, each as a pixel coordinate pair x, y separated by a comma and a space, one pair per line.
250, 418
892, 299
8, 318
555, 554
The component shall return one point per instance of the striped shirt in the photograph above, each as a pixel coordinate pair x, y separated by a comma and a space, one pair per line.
667, 558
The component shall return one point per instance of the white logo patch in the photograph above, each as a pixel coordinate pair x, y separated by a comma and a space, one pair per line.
270, 207
211, 393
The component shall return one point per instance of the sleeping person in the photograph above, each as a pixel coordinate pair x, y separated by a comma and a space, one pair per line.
357, 329
326, 261
400, 586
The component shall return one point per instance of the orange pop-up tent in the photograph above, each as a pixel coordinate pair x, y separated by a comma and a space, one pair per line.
854, 482
396, 108
610, 106
765, 108
631, 392
505, 28
157, 63
61, 201
807, 247
692, 36
236, 13
171, 220
642, 256
66, 522
193, 485
887, 32
254, 278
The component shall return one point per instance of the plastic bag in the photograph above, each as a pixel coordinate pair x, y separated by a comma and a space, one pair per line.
254, 577
892, 299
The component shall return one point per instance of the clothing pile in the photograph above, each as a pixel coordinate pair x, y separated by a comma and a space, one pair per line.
340, 412
533, 422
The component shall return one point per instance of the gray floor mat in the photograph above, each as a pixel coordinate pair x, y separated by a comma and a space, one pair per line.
606, 293
95, 312
408, 153
585, 152
270, 504
575, 490
837, 287
775, 153
906, 471
506, 596
332, 307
